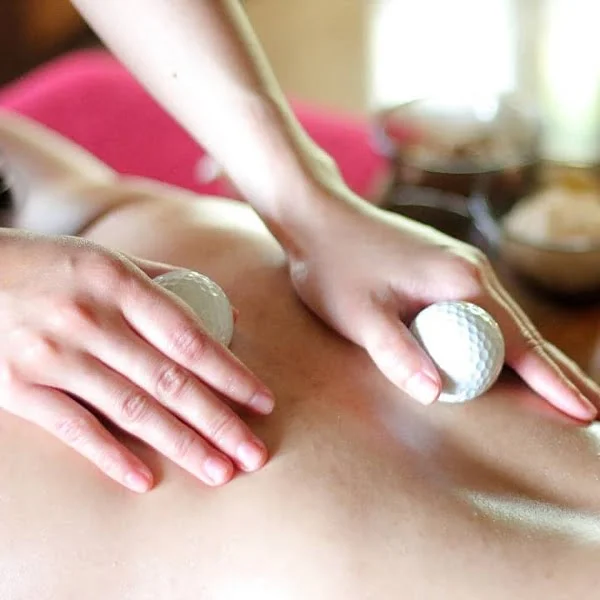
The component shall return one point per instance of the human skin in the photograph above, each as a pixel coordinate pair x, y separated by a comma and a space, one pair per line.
367, 494
84, 329
356, 267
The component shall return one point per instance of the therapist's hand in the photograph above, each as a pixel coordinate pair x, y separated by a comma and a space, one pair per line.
368, 272
84, 331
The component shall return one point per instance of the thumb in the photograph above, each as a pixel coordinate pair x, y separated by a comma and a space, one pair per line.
399, 356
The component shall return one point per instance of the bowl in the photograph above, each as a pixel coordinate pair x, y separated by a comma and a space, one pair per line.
453, 145
556, 243
450, 217
556, 270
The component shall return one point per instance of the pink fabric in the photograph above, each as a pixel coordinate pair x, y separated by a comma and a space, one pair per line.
90, 98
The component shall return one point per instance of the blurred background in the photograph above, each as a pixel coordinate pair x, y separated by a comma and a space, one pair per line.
360, 55
487, 111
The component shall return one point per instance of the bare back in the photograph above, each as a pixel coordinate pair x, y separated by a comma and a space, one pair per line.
367, 495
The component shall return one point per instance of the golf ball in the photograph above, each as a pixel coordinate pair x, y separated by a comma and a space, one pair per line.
205, 298
465, 344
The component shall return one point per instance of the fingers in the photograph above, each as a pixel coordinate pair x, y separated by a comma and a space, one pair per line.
156, 364
586, 384
536, 367
398, 355
136, 412
64, 418
182, 393
177, 333
543, 368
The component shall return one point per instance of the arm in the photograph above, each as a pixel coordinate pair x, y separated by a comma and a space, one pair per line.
202, 61
78, 322
358, 268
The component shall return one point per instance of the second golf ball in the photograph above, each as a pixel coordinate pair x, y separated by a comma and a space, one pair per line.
465, 344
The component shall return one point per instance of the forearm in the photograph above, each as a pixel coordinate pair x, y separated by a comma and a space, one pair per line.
201, 60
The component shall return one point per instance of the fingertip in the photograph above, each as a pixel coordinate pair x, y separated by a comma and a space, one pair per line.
427, 367
218, 470
575, 405
252, 455
263, 402
423, 388
139, 481
585, 410
401, 358
549, 379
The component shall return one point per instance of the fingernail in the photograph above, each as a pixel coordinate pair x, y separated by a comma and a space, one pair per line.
251, 455
591, 412
235, 313
263, 403
218, 470
139, 481
422, 388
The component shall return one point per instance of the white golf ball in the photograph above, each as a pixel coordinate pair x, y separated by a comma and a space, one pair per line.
465, 344
205, 298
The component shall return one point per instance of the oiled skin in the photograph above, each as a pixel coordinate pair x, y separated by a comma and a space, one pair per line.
367, 494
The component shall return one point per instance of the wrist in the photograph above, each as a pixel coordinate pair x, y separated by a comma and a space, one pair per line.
292, 183
316, 218
277, 167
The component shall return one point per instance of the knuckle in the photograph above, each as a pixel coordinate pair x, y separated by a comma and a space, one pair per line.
73, 430
473, 254
135, 408
8, 377
470, 270
190, 344
237, 385
109, 461
231, 386
109, 272
90, 259
221, 426
73, 314
39, 349
171, 383
535, 343
385, 342
182, 445
389, 355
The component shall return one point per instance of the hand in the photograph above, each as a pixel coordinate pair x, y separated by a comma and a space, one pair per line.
365, 271
83, 329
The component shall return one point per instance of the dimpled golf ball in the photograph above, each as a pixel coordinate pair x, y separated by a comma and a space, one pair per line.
465, 344
205, 298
